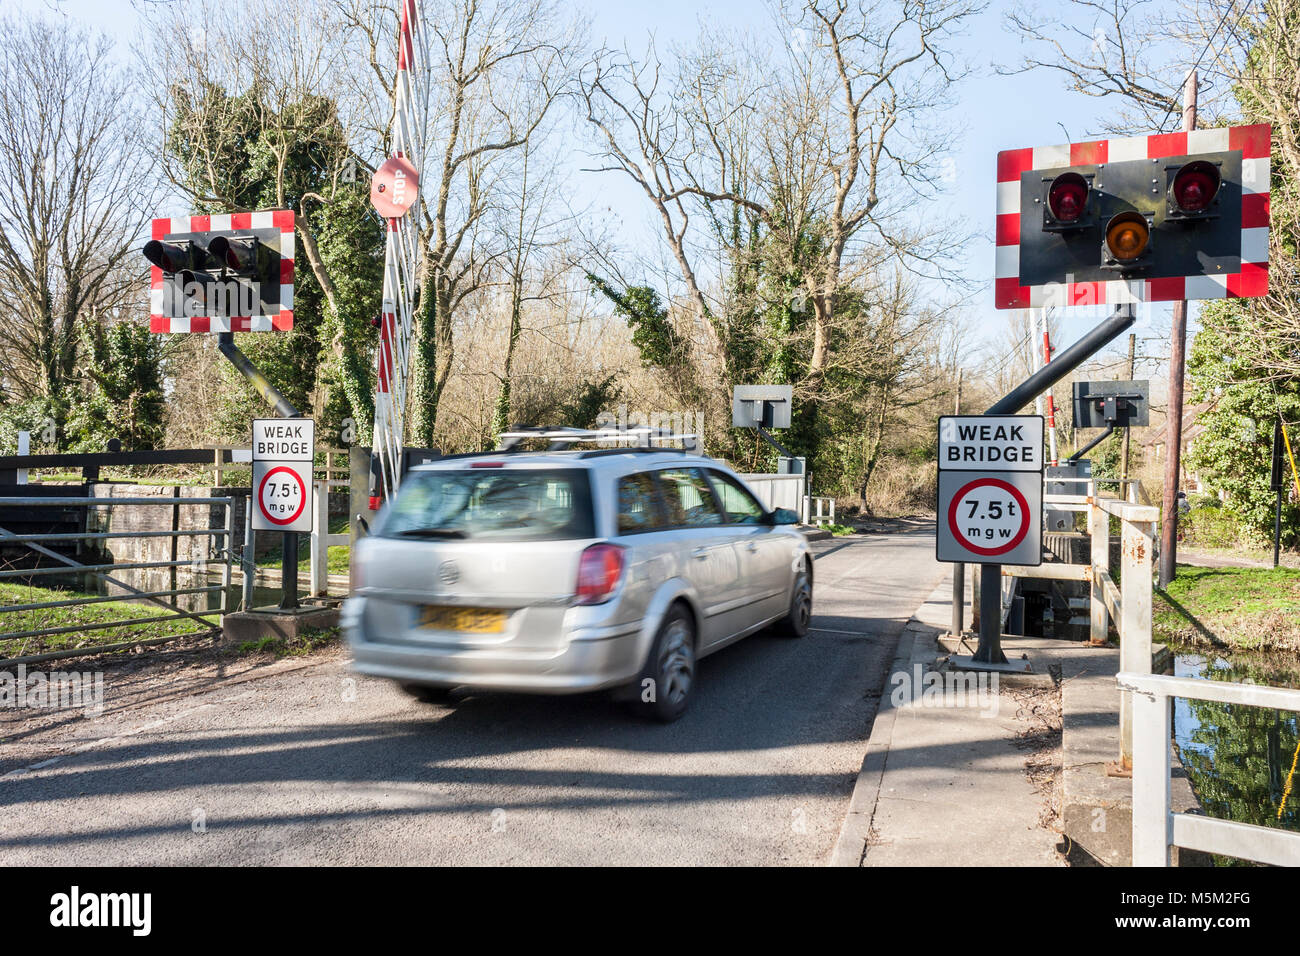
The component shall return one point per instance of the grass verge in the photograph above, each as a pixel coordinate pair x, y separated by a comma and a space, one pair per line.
336, 559
305, 643
1255, 609
100, 618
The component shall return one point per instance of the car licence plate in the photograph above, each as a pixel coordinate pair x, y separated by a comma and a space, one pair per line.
473, 620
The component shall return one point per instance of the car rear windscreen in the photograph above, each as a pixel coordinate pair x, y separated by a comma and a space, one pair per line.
524, 504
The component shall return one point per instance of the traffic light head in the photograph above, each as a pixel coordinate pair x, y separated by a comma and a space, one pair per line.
238, 254
170, 257
1067, 202
223, 273
1140, 219
1193, 189
1128, 237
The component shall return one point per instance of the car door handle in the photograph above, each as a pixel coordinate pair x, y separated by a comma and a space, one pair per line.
751, 547
700, 554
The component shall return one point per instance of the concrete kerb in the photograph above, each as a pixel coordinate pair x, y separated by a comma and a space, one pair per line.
854, 839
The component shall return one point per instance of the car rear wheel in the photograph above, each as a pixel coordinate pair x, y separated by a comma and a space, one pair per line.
663, 689
798, 619
428, 693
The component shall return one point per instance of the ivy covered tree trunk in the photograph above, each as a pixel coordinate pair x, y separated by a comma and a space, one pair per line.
422, 400
501, 413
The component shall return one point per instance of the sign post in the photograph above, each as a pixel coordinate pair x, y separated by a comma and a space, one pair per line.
990, 509
283, 450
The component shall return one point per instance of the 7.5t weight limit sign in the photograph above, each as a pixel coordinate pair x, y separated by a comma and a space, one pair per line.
283, 449
990, 494
990, 516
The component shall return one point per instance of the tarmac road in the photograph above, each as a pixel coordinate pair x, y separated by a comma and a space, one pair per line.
316, 765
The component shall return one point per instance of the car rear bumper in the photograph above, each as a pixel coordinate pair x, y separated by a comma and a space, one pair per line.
588, 659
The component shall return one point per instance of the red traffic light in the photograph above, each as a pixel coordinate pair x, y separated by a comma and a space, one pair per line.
1067, 197
170, 257
1195, 186
239, 254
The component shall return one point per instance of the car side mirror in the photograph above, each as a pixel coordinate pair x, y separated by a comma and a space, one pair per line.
782, 516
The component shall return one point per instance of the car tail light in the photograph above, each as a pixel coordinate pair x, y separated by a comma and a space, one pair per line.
1127, 236
599, 570
1067, 197
1195, 186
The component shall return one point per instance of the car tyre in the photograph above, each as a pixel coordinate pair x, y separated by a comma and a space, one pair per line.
670, 666
799, 618
428, 693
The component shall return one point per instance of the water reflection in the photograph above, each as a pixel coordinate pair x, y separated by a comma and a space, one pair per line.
1240, 759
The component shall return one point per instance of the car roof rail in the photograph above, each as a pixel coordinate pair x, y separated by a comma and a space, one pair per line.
561, 438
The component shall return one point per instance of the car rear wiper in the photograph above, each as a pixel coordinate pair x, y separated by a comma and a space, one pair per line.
431, 533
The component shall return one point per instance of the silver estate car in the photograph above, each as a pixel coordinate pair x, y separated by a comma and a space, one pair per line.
569, 571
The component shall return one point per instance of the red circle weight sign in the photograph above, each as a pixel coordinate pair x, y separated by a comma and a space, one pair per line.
988, 517
283, 499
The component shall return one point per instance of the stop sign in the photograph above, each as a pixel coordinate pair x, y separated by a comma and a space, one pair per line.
394, 187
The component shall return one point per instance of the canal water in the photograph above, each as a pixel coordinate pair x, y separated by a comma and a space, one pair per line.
1244, 762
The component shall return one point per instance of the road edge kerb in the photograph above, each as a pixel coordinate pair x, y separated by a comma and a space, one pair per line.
852, 844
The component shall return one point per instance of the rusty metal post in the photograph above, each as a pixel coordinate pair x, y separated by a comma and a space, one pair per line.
1135, 626
1099, 529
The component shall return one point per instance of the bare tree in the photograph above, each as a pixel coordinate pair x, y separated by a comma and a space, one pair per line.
499, 70
810, 145
73, 202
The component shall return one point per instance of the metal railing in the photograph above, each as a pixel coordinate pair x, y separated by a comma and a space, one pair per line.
102, 573
1155, 827
227, 457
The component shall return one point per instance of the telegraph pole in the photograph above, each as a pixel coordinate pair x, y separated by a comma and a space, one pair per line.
1132, 346
1174, 422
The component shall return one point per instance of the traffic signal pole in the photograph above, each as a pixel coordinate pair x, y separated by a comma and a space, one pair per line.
990, 597
285, 409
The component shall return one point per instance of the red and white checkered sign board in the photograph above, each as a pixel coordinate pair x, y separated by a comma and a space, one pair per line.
1253, 142
277, 320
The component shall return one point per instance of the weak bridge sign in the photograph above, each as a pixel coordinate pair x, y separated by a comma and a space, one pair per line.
990, 491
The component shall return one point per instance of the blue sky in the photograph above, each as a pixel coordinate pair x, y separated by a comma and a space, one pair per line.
998, 112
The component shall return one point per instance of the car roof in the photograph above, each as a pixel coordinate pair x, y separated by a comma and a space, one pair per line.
587, 458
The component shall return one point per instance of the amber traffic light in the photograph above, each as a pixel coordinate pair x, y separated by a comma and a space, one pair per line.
1128, 236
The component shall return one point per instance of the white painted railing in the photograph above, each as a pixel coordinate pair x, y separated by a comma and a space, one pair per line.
1155, 827
818, 509
1128, 604
321, 539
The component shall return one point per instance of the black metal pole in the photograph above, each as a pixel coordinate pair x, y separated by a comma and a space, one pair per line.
990, 646
289, 572
283, 407
958, 599
1110, 430
1065, 363
1277, 529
